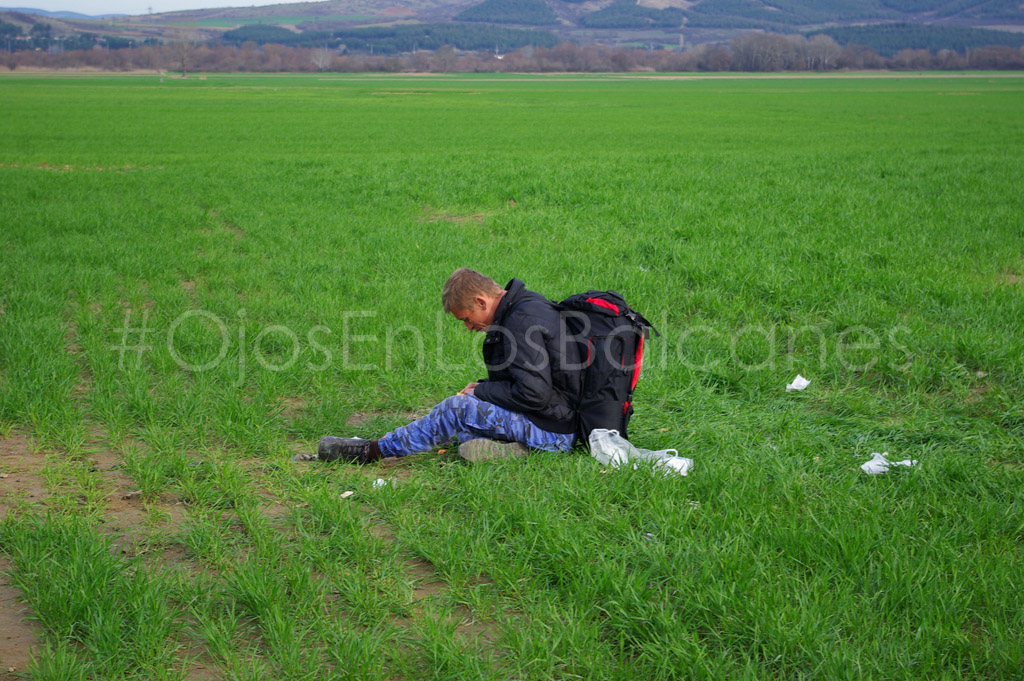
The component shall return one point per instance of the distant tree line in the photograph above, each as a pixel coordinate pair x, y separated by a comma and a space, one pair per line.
628, 14
412, 37
783, 13
42, 38
779, 16
530, 12
395, 39
749, 52
270, 33
888, 39
996, 10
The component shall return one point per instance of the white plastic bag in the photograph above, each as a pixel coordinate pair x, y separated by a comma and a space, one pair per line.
879, 464
611, 449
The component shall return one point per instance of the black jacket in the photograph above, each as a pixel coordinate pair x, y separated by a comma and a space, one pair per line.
531, 367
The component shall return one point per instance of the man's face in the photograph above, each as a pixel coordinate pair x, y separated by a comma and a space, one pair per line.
480, 314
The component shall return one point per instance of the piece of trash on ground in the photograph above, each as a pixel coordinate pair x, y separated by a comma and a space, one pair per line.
673, 463
380, 482
879, 464
799, 383
346, 494
611, 449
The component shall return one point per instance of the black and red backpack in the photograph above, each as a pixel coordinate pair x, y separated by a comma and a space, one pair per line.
611, 338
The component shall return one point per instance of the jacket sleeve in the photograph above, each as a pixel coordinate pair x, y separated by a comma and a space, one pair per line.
529, 364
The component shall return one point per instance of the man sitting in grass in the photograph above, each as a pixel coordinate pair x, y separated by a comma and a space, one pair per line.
533, 380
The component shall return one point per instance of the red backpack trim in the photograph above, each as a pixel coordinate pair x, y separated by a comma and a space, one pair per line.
605, 304
638, 363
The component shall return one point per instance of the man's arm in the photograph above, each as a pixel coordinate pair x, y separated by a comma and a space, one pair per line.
530, 388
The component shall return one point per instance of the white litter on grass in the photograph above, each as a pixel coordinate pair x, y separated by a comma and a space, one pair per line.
799, 383
879, 464
380, 482
347, 494
611, 449
674, 463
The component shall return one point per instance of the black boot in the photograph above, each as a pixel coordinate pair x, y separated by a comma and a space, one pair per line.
353, 449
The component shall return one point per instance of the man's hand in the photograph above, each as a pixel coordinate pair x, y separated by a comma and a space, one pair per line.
468, 390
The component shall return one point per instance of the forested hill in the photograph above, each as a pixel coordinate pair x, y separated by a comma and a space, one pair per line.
779, 16
772, 14
884, 25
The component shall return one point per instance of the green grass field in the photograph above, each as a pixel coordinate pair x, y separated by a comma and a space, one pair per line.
193, 271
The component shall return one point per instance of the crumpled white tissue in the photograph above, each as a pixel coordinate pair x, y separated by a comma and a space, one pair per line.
879, 464
611, 449
380, 482
799, 383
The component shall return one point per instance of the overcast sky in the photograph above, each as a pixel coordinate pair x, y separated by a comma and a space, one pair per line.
130, 6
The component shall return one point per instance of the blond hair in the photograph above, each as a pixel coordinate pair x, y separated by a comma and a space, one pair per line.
464, 285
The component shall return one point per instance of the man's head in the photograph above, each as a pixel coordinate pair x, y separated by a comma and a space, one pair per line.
472, 298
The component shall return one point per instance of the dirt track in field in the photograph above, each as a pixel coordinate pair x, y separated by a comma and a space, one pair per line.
20, 483
130, 520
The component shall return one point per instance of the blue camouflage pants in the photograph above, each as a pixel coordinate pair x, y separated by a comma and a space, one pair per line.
465, 417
